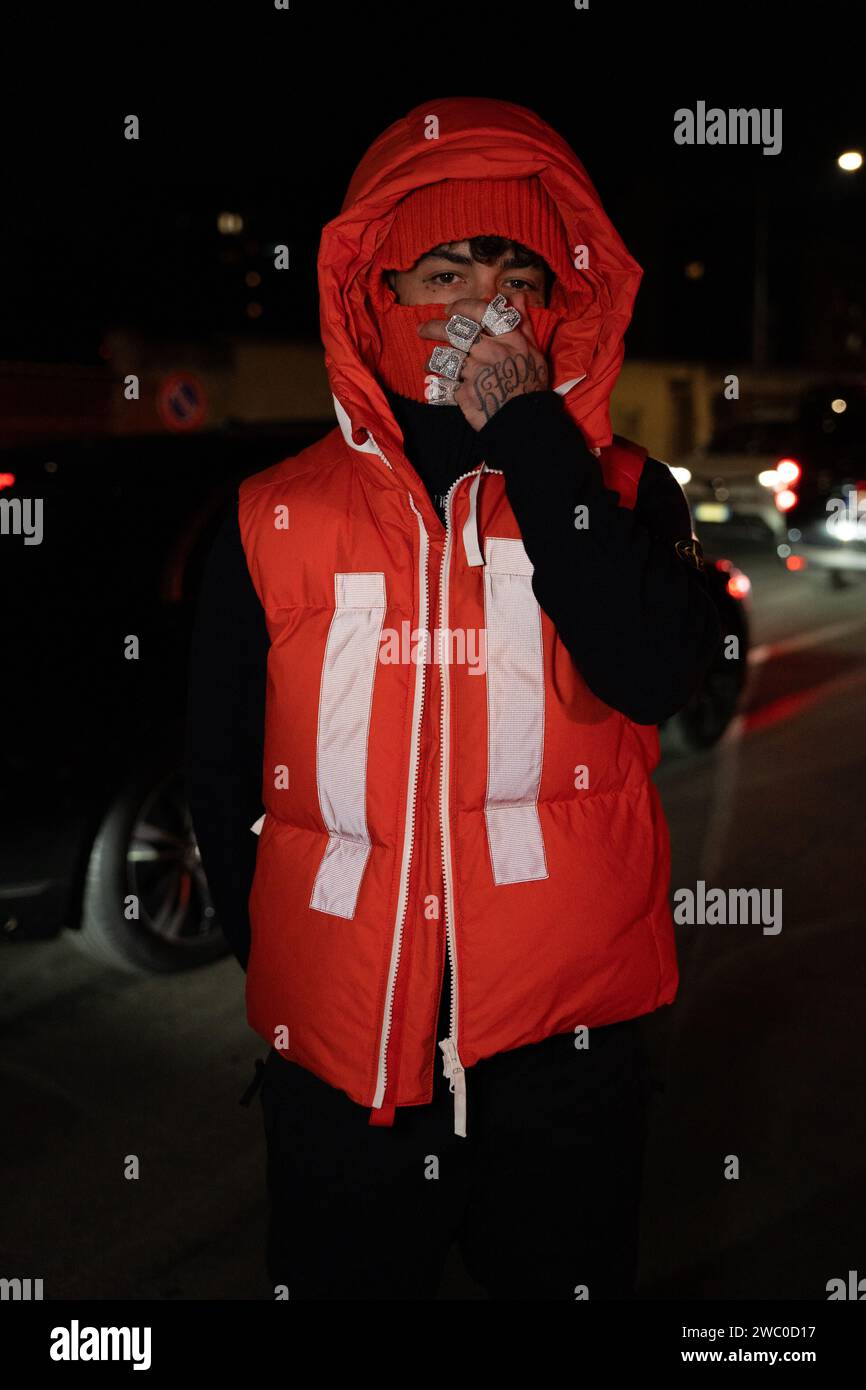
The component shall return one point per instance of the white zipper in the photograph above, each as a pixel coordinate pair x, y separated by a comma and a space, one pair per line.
452, 1065
409, 834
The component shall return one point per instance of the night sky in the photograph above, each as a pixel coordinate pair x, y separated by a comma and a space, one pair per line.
99, 233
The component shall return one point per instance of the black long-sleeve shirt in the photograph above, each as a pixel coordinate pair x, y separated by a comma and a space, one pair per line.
635, 615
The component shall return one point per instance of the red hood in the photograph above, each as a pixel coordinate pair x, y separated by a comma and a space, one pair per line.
478, 138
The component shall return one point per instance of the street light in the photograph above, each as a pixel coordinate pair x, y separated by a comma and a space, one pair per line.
850, 161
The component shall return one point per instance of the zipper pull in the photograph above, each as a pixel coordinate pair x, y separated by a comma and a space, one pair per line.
453, 1068
470, 529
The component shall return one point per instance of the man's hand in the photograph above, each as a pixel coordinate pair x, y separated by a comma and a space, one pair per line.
497, 368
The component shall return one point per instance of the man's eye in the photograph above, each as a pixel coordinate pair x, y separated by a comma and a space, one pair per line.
522, 284
443, 277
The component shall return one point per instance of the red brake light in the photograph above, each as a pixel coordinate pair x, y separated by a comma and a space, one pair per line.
738, 585
785, 499
788, 471
7, 480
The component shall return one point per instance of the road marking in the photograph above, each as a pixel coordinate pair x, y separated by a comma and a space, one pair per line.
697, 951
797, 701
768, 651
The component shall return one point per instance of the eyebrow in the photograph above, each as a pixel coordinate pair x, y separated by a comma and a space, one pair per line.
443, 254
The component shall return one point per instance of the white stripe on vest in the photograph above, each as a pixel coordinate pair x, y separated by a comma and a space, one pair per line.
342, 739
515, 713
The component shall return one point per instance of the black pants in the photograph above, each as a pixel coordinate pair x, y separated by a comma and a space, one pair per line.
542, 1196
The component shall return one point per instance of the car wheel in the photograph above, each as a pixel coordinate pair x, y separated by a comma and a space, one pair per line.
146, 906
704, 719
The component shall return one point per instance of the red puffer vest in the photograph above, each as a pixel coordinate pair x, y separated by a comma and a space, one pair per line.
437, 775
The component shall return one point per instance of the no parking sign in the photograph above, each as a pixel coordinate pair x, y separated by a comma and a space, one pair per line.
182, 401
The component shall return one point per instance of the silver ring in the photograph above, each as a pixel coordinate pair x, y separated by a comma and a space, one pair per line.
439, 391
447, 361
462, 331
500, 316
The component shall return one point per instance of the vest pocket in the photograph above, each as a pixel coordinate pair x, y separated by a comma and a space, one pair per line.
515, 713
342, 738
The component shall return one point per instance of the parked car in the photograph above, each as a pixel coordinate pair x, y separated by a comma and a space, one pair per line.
94, 814
93, 805
702, 722
725, 487
759, 474
830, 544
826, 525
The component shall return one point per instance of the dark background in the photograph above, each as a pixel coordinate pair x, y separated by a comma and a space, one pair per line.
267, 113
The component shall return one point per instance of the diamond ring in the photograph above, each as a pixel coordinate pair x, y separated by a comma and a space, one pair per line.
500, 316
439, 391
447, 361
462, 331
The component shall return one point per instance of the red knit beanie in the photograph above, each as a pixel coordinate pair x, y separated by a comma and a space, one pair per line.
448, 211
458, 209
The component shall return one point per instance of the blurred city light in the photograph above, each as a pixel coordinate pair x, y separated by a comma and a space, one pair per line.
788, 470
739, 584
230, 223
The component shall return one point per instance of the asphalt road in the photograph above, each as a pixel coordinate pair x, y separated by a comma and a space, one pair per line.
762, 1056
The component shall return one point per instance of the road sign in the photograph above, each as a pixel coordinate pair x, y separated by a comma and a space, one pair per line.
182, 401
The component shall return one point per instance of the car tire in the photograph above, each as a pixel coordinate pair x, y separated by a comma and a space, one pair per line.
145, 848
702, 722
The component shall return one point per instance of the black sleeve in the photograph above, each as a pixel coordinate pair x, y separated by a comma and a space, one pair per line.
225, 730
636, 616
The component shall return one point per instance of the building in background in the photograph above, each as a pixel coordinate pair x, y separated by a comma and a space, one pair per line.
671, 407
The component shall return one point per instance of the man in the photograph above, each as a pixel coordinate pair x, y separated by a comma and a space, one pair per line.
435, 647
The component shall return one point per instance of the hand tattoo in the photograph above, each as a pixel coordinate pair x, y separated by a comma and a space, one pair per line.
495, 384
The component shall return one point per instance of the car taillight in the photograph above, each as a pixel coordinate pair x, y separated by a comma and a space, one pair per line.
785, 499
788, 471
737, 584
7, 480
